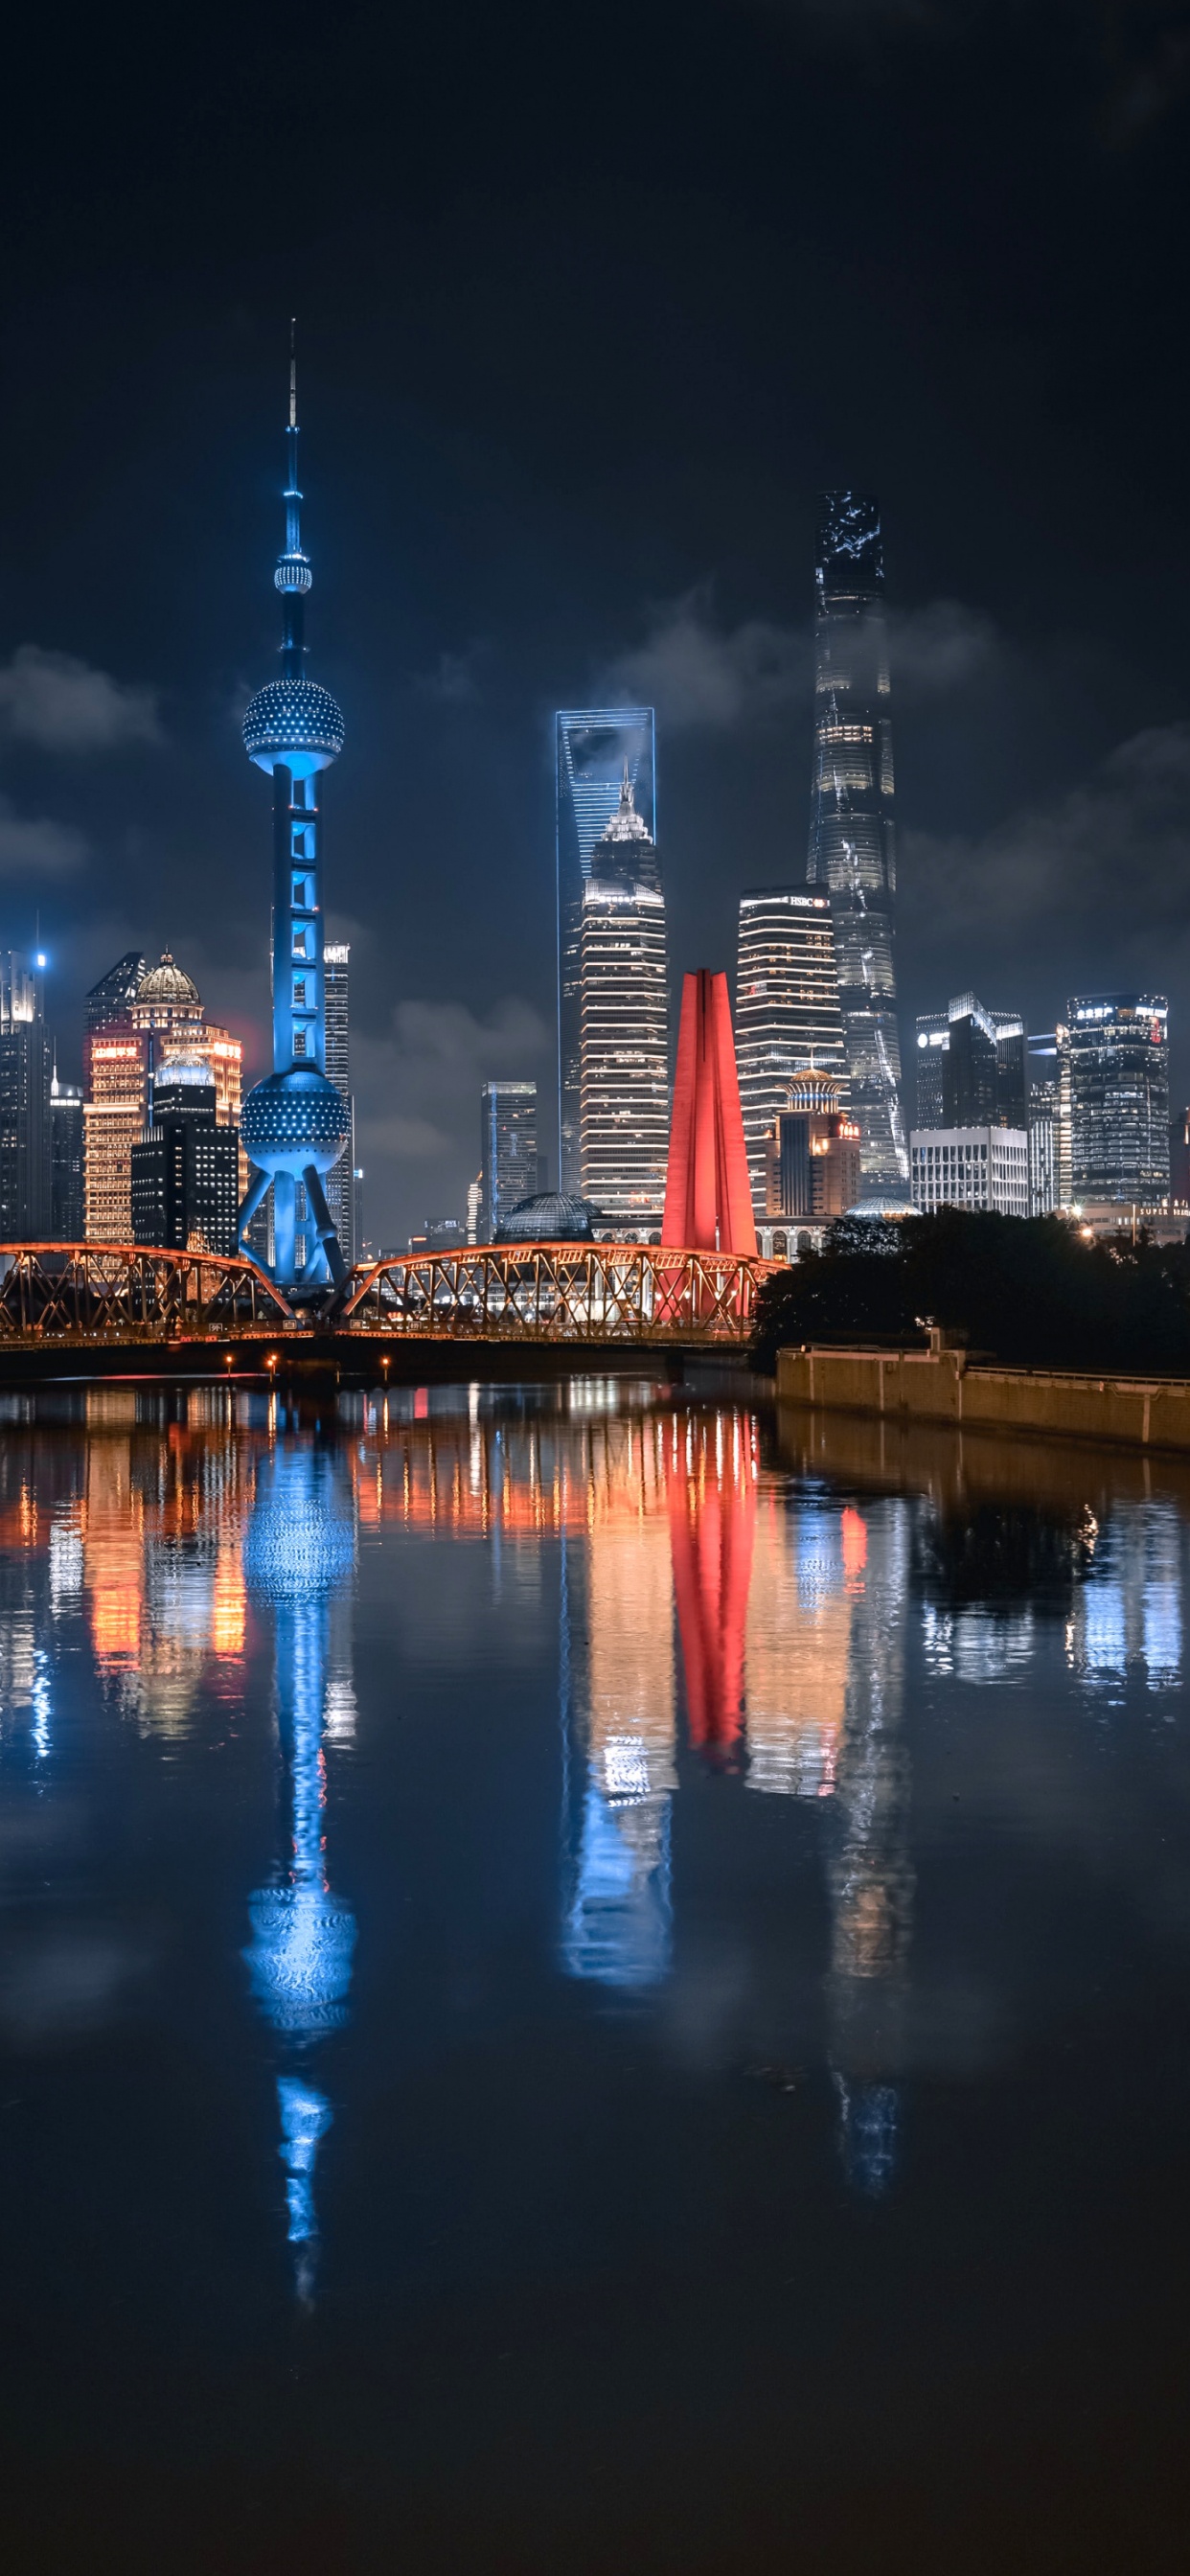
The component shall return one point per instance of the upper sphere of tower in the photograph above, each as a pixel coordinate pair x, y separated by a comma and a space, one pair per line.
294, 722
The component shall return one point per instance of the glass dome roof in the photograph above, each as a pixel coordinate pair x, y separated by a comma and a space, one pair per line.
548, 1218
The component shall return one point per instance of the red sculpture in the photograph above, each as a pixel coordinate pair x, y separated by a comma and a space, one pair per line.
708, 1194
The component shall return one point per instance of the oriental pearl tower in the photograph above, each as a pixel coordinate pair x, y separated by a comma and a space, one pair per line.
293, 1126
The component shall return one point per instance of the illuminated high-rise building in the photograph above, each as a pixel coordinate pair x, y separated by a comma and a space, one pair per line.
624, 1024
592, 745
508, 1149
185, 1167
812, 1156
114, 1112
68, 1207
787, 1016
1119, 1099
109, 1002
134, 1036
340, 1183
25, 1072
852, 854
293, 1124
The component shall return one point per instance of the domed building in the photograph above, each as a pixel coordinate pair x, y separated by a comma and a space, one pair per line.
549, 1217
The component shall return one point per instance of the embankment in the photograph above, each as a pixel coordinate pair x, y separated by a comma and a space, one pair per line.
943, 1386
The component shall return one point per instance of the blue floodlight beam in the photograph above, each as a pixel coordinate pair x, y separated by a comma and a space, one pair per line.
293, 1125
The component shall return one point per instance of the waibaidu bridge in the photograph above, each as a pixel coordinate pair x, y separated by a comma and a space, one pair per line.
79, 1309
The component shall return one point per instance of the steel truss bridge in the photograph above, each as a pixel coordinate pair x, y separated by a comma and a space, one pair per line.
538, 1293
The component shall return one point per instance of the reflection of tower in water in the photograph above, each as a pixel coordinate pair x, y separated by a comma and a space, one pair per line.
618, 1711
871, 1879
299, 1554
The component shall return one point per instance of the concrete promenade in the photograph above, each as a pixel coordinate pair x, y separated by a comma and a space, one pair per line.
945, 1387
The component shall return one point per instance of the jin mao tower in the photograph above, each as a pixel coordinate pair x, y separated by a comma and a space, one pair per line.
851, 824
294, 1125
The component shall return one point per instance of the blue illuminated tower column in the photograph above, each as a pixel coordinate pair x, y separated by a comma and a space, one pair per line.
292, 1124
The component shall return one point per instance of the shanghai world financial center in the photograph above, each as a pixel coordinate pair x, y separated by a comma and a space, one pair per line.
592, 746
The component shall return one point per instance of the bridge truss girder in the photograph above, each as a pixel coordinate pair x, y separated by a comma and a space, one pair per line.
119, 1291
589, 1292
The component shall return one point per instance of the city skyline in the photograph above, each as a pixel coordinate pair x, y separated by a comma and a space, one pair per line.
509, 525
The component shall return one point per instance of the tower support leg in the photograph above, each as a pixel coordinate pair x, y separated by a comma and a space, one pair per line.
284, 1229
324, 1225
255, 1192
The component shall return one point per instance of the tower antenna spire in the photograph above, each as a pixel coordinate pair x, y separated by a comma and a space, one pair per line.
293, 419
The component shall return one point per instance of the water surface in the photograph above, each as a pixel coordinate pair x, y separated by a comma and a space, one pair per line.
588, 1979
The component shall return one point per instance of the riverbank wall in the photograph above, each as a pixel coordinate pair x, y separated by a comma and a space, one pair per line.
945, 1387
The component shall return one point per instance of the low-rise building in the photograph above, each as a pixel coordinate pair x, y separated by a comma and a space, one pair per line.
970, 1167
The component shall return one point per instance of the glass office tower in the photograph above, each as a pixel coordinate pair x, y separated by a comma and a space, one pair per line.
624, 1020
852, 852
508, 1149
1119, 1098
592, 745
787, 1016
25, 1072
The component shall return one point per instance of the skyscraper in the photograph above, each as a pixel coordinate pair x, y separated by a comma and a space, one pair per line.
24, 1100
852, 852
1119, 1099
624, 1026
293, 1124
110, 1001
592, 745
970, 1066
787, 1015
185, 1167
340, 1180
133, 1036
812, 1165
68, 1209
508, 1148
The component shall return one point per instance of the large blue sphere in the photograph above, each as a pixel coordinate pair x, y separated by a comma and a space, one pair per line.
292, 1119
296, 722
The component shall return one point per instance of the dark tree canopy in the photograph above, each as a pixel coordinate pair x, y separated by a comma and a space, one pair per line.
1030, 1292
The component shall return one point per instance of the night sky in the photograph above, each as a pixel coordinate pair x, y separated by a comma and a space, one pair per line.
591, 304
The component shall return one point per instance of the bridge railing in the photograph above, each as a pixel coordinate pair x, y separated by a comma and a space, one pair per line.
600, 1292
128, 1292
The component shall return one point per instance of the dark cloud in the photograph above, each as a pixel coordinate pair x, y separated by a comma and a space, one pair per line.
60, 704
1098, 876
696, 673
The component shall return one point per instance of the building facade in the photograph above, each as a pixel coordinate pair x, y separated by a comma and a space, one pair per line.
787, 1015
25, 1075
1043, 1148
1179, 1163
1118, 1045
591, 747
340, 1183
624, 1027
812, 1154
109, 1002
68, 1205
852, 850
184, 1179
971, 1066
970, 1167
508, 1149
126, 1053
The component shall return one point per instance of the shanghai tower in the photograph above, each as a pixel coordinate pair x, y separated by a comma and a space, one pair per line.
851, 819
